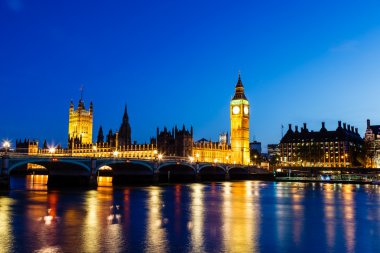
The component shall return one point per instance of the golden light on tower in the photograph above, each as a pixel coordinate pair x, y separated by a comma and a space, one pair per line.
239, 116
80, 122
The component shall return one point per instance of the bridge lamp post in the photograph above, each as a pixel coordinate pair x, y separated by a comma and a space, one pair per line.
191, 159
52, 150
215, 161
94, 148
227, 158
115, 153
6, 146
197, 156
159, 156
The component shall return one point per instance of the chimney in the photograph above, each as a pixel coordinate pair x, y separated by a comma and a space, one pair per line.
304, 126
296, 129
344, 126
356, 131
348, 127
340, 124
323, 125
352, 129
290, 127
368, 123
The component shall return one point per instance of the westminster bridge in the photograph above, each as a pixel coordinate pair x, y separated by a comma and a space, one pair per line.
84, 171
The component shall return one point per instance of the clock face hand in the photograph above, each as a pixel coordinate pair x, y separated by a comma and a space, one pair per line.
235, 109
246, 110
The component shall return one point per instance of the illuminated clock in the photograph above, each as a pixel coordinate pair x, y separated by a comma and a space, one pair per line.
246, 110
235, 109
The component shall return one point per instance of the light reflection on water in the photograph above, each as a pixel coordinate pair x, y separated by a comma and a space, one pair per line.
246, 216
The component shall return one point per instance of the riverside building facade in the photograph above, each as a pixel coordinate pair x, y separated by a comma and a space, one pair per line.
342, 147
372, 145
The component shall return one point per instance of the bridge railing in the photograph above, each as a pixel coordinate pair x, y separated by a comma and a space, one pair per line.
69, 155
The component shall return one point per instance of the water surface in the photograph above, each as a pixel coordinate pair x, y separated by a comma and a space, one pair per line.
245, 216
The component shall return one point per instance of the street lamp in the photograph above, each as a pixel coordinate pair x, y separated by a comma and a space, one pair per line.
52, 151
191, 159
255, 156
115, 153
6, 146
94, 148
197, 156
159, 157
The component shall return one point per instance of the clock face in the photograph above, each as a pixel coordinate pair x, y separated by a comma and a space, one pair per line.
235, 109
246, 110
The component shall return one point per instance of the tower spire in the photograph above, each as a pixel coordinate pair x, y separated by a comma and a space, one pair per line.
239, 89
125, 116
81, 92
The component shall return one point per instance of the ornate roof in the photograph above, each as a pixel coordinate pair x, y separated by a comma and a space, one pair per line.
239, 90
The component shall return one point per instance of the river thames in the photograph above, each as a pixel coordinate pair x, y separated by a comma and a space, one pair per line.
243, 216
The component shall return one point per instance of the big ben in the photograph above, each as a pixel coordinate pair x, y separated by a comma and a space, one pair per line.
239, 115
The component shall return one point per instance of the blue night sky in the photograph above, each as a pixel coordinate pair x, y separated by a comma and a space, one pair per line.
176, 62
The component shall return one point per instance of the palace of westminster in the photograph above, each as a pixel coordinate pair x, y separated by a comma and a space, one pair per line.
343, 147
174, 143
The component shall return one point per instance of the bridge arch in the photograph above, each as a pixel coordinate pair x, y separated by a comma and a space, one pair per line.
176, 171
49, 164
215, 167
212, 172
128, 171
175, 165
117, 164
238, 172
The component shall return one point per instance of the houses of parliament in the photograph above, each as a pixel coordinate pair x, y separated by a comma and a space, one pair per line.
177, 142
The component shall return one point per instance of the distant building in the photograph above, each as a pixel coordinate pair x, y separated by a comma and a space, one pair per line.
27, 146
175, 142
125, 130
255, 145
80, 124
273, 151
340, 148
372, 143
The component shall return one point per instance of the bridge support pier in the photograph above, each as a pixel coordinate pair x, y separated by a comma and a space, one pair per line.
227, 176
198, 177
4, 175
156, 177
93, 177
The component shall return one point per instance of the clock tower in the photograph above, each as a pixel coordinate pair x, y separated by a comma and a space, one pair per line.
239, 115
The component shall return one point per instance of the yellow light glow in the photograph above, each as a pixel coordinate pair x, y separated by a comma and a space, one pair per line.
191, 159
115, 153
6, 144
160, 156
52, 150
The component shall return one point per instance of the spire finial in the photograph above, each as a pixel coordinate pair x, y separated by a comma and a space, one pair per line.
81, 92
125, 115
239, 74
